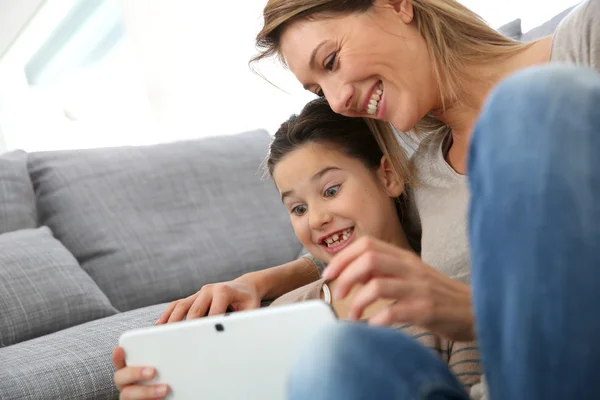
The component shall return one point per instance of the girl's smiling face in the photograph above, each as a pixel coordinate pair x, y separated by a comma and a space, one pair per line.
333, 199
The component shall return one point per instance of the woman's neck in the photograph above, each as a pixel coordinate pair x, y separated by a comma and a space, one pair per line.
461, 116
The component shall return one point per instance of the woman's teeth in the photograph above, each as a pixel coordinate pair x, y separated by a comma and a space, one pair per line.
338, 238
374, 102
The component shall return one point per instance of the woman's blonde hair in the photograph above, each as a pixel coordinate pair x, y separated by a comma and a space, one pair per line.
455, 37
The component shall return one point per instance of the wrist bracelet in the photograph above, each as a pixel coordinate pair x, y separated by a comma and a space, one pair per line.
326, 294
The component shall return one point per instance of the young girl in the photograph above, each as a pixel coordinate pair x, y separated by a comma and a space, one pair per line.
338, 186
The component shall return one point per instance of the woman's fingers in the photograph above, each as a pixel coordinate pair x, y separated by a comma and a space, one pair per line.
139, 392
350, 253
375, 289
201, 304
403, 311
221, 299
181, 309
367, 266
164, 317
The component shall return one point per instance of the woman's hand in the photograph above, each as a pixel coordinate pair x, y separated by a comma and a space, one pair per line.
422, 295
213, 299
127, 380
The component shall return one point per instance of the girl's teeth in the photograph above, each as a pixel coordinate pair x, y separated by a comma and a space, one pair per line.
337, 238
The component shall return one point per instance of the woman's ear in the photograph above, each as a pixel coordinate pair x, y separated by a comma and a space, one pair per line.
393, 185
403, 8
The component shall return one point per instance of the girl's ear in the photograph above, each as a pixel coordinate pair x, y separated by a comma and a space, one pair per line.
393, 185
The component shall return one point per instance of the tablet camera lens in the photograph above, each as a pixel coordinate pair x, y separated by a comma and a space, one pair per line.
219, 328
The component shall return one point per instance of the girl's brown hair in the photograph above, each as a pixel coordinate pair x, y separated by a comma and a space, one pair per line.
318, 123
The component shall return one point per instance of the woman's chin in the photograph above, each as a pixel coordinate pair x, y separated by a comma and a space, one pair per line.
404, 121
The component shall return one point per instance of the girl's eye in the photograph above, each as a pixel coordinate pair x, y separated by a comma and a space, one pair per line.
332, 191
299, 210
330, 61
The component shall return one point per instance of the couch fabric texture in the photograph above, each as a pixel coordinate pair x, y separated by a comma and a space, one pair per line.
42, 287
152, 224
17, 200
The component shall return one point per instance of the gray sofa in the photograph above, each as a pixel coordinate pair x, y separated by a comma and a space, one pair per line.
96, 242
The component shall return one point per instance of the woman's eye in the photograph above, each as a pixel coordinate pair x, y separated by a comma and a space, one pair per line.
319, 92
330, 62
332, 191
299, 210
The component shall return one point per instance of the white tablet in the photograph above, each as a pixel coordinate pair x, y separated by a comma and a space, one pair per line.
241, 356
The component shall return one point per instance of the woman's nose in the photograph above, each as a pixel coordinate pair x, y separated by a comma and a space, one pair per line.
340, 98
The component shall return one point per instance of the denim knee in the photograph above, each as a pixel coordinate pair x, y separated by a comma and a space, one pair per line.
531, 108
536, 117
355, 361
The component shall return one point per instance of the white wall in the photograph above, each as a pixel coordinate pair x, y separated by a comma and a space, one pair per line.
180, 73
14, 15
195, 56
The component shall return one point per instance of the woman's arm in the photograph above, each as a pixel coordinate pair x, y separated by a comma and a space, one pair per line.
243, 293
273, 282
421, 295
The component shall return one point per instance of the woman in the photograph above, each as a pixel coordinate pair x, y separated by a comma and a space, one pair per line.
432, 65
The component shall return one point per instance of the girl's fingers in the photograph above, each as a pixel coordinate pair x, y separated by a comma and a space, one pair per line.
138, 392
118, 357
130, 375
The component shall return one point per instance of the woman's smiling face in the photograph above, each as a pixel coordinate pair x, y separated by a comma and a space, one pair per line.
371, 64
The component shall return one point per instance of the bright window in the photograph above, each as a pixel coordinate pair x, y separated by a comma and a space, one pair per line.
127, 72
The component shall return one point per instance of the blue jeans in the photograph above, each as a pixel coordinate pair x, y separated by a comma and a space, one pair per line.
534, 173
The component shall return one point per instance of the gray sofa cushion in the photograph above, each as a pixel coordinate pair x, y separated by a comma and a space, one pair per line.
153, 224
512, 29
42, 288
71, 364
17, 201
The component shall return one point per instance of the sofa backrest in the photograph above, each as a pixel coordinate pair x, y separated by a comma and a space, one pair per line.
513, 28
153, 224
